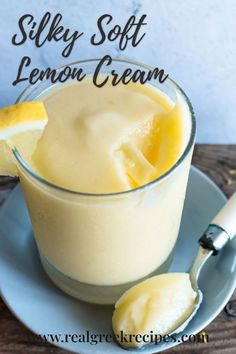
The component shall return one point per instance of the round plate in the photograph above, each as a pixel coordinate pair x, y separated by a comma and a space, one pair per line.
44, 309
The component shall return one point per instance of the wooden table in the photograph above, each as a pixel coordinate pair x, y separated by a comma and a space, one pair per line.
219, 163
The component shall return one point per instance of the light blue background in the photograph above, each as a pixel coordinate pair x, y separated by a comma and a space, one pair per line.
194, 41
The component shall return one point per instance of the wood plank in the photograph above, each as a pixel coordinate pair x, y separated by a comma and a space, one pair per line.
219, 163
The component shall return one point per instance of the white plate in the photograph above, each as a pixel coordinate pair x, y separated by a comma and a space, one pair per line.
44, 309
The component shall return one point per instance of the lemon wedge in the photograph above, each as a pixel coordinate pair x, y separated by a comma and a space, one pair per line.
21, 126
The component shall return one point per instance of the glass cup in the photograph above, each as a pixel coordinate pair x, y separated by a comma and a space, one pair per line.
95, 246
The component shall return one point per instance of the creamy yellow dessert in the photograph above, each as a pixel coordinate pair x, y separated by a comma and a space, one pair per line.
107, 140
155, 306
103, 140
110, 139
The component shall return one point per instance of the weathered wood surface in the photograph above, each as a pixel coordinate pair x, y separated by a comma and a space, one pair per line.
219, 163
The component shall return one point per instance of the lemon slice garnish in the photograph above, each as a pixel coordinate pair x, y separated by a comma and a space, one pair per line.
21, 126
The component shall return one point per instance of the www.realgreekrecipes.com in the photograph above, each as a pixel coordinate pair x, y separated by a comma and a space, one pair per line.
95, 338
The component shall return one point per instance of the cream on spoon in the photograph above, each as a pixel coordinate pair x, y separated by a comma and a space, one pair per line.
165, 304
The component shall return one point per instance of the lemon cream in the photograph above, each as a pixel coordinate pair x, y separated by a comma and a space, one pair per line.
157, 305
93, 223
108, 140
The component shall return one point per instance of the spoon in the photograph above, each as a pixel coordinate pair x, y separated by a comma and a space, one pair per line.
125, 318
220, 231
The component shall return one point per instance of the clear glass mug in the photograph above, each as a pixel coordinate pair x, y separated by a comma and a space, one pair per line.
95, 246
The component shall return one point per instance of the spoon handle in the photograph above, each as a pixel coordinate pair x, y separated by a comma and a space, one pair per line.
222, 228
226, 218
